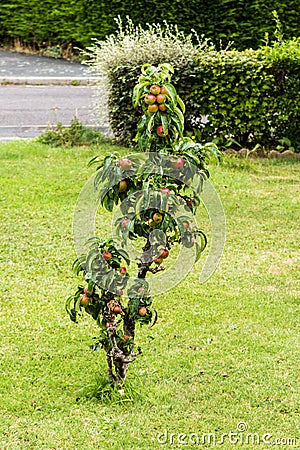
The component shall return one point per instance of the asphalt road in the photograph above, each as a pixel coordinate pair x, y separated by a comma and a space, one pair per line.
26, 110
36, 91
13, 64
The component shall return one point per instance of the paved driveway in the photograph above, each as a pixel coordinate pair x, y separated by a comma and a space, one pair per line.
21, 65
37, 90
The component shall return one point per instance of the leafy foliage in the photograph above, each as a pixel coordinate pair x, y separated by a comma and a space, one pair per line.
58, 135
241, 98
150, 188
63, 22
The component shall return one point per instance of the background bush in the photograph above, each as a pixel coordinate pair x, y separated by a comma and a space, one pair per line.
63, 22
248, 98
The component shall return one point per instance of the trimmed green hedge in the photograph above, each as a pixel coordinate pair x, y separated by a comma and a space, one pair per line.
239, 98
251, 97
77, 22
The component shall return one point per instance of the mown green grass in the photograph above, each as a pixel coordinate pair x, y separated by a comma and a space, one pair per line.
222, 352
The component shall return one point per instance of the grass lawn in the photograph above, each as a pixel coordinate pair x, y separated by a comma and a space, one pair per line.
224, 355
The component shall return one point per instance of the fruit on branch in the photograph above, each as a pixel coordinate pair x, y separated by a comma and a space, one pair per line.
163, 90
84, 301
192, 201
122, 186
158, 259
160, 98
109, 324
151, 222
125, 163
155, 89
165, 190
126, 337
87, 292
153, 108
143, 311
107, 256
178, 164
150, 99
117, 309
160, 131
163, 253
125, 222
162, 107
123, 270
157, 217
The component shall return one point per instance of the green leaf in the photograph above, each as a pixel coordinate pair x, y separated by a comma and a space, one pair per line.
165, 121
150, 123
179, 115
203, 242
77, 264
124, 255
95, 160
178, 124
90, 259
181, 104
145, 69
68, 304
171, 93
155, 318
138, 91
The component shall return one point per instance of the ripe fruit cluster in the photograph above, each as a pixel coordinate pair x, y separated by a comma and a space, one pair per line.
156, 99
162, 254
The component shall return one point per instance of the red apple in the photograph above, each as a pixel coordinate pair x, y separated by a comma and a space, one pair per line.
122, 186
153, 108
160, 98
125, 222
143, 311
155, 89
160, 131
178, 164
165, 190
125, 163
157, 259
117, 309
84, 301
107, 256
150, 99
163, 253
